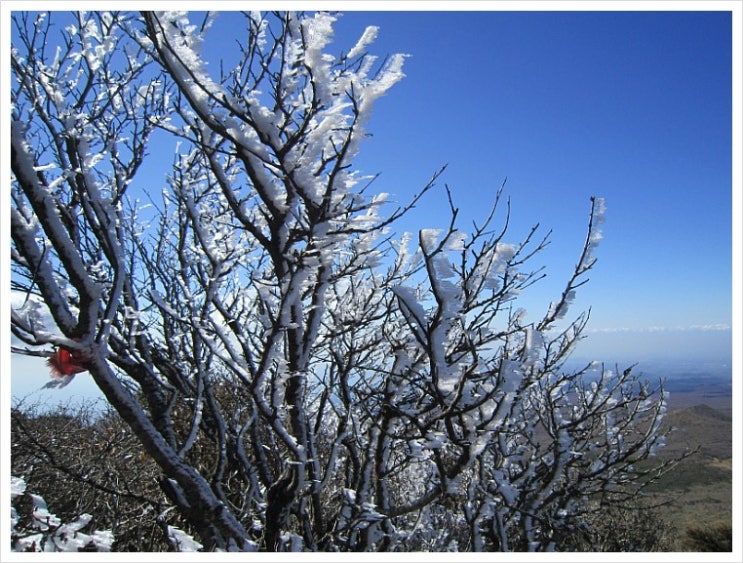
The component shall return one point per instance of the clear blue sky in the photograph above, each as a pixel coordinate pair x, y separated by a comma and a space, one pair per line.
634, 107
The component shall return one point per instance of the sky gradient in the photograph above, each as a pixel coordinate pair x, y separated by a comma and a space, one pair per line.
634, 107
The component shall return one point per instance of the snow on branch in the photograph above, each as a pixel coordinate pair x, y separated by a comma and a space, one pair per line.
45, 532
559, 309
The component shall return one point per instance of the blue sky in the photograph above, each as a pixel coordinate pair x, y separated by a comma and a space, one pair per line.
634, 107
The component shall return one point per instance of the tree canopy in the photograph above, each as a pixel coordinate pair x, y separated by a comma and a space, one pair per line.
302, 376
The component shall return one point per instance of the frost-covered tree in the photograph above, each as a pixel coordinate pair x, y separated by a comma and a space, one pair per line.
41, 530
303, 378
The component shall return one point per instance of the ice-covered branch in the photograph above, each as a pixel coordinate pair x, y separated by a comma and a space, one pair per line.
559, 309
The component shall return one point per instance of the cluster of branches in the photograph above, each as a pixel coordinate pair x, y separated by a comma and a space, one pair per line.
37, 529
84, 461
351, 390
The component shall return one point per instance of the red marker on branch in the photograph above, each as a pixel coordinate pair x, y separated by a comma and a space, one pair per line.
64, 363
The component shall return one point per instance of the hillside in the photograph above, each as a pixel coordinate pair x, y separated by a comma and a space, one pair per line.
699, 490
700, 426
